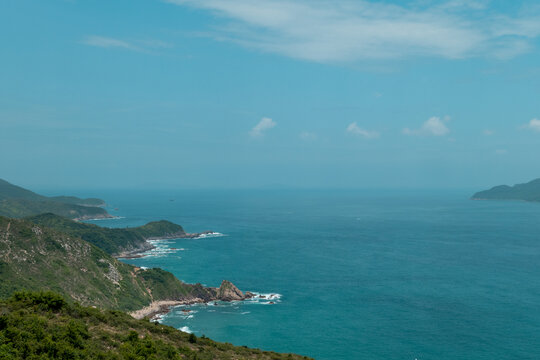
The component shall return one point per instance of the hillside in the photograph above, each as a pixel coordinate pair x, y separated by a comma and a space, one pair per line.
18, 202
527, 192
36, 257
113, 241
45, 326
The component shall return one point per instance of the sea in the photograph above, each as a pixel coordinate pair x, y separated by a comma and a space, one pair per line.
353, 274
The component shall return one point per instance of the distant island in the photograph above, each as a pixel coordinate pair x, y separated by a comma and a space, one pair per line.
525, 192
17, 202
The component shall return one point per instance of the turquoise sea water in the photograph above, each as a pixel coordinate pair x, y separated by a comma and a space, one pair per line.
362, 275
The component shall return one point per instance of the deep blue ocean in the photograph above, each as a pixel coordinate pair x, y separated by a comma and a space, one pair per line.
360, 274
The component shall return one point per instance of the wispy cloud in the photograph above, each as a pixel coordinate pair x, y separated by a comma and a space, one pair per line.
354, 129
308, 136
136, 45
434, 126
263, 125
107, 42
344, 30
533, 125
488, 132
501, 151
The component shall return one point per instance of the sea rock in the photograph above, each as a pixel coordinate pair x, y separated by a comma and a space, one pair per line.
228, 292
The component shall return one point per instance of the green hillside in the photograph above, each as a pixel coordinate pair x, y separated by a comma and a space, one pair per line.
527, 192
113, 241
45, 326
36, 257
16, 201
78, 201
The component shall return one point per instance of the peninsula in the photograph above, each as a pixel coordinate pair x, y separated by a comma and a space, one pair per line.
85, 291
525, 192
17, 202
36, 257
119, 242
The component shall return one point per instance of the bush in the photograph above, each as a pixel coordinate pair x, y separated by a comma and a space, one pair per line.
45, 300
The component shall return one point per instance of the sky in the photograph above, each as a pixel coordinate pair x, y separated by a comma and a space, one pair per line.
271, 93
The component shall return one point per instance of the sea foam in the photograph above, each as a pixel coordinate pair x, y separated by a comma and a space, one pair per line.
264, 299
186, 329
209, 235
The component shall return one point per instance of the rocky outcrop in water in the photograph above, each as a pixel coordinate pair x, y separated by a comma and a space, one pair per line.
229, 292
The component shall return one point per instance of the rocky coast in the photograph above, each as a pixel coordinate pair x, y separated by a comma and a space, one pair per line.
146, 246
227, 291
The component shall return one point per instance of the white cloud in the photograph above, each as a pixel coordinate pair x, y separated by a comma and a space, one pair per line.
137, 45
501, 151
107, 42
488, 132
263, 125
354, 129
345, 30
434, 126
308, 136
533, 125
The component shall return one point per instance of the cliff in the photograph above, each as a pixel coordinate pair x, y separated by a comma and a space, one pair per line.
36, 257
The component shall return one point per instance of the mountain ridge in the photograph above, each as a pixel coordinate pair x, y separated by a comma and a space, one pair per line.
18, 202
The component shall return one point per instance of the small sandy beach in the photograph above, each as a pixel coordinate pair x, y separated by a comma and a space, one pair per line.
156, 307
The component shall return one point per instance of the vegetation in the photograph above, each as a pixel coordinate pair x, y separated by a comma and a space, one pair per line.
18, 202
527, 192
78, 201
36, 257
71, 264
19, 208
43, 325
113, 241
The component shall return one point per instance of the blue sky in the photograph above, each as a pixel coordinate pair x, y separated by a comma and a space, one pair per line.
304, 93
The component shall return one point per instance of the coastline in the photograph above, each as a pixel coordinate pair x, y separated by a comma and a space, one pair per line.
161, 307
135, 253
183, 235
227, 292
94, 217
138, 252
509, 200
